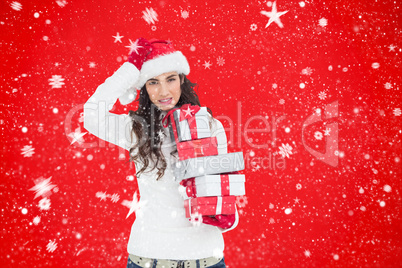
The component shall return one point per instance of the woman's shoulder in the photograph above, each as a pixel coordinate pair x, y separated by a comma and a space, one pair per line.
215, 124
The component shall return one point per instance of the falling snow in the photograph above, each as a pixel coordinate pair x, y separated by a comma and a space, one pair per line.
220, 61
16, 6
44, 204
207, 64
42, 187
285, 150
51, 246
274, 16
56, 81
150, 16
28, 151
323, 22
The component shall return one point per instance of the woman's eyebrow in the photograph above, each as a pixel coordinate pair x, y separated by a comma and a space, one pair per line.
171, 76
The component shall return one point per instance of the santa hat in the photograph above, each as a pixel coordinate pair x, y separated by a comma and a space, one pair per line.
163, 58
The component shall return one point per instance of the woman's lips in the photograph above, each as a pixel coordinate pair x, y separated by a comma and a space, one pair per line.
166, 101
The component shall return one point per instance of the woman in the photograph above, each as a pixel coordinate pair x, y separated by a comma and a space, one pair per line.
161, 235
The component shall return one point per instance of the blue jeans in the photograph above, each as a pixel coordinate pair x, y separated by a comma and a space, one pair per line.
220, 264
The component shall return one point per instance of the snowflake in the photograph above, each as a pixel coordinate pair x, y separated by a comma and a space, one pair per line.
327, 131
16, 6
42, 187
307, 253
133, 46
388, 85
92, 64
285, 150
184, 14
256, 168
241, 201
322, 95
307, 71
318, 135
298, 186
117, 37
27, 151
220, 61
391, 48
274, 16
281, 101
77, 136
51, 246
207, 64
101, 195
36, 220
134, 205
397, 111
150, 16
44, 204
253, 27
56, 81
323, 22
114, 198
61, 3
161, 135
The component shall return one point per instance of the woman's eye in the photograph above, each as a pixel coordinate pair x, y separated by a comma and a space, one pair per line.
152, 83
172, 79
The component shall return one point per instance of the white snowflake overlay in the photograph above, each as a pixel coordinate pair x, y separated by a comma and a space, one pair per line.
285, 150
57, 81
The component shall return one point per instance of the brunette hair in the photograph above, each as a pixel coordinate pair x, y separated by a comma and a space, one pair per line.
147, 126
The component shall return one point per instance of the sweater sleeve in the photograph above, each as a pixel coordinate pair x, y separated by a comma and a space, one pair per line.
99, 121
218, 131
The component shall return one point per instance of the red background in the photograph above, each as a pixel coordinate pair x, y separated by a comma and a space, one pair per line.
343, 216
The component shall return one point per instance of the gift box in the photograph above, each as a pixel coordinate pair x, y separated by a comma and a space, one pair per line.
215, 185
207, 165
197, 148
190, 123
211, 205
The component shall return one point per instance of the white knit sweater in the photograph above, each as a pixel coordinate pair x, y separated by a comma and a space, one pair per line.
161, 229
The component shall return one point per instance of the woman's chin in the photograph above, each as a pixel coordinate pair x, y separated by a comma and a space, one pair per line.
166, 107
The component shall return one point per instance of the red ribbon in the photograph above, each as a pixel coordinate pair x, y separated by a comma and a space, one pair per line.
187, 112
198, 148
225, 184
190, 188
165, 120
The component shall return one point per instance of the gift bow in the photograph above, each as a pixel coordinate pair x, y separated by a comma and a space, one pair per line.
187, 111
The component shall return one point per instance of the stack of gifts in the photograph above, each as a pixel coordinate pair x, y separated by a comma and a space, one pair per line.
210, 181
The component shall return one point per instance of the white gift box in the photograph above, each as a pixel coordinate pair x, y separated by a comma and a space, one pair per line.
216, 185
202, 121
208, 165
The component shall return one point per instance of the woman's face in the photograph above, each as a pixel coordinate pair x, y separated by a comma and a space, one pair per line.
164, 90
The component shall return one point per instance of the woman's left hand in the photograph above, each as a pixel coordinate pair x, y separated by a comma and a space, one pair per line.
222, 221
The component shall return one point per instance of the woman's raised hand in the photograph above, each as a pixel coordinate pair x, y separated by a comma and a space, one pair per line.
139, 50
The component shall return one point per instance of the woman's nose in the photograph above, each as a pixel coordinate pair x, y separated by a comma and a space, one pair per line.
163, 90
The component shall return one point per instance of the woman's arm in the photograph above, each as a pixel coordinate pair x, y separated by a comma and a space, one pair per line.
99, 121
